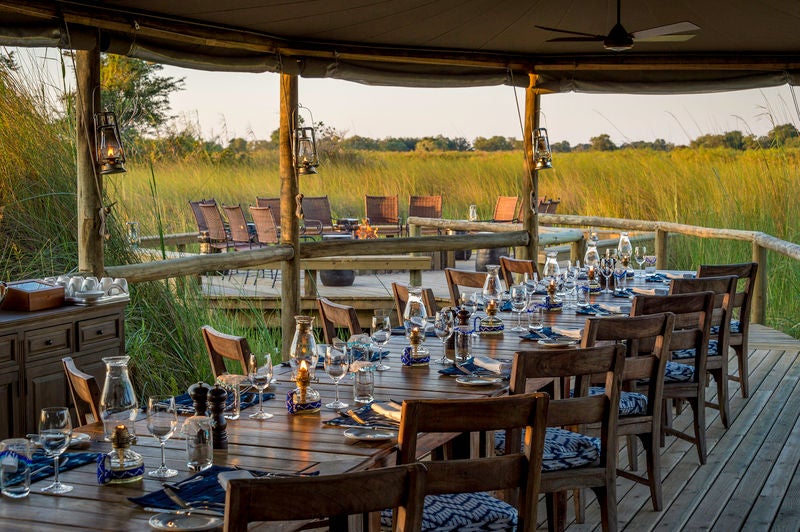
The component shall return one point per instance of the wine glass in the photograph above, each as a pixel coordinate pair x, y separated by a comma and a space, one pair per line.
381, 333
55, 431
638, 255
259, 377
443, 327
162, 420
607, 270
337, 363
519, 301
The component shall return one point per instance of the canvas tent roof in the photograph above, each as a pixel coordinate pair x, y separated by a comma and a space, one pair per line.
740, 44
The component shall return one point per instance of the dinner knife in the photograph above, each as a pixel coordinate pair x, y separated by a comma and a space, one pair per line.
183, 511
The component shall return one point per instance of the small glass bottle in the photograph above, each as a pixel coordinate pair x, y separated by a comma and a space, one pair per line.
592, 256
624, 251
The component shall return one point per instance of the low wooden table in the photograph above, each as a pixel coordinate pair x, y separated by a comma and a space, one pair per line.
413, 263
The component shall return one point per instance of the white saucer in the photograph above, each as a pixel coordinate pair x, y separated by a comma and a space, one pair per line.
557, 343
368, 434
171, 521
89, 295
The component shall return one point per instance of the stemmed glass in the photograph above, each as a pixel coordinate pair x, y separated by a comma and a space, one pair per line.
162, 420
519, 301
337, 362
381, 333
638, 255
55, 431
607, 270
259, 377
443, 327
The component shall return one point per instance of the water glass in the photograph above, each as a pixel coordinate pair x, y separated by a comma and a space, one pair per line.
582, 292
15, 467
363, 386
535, 317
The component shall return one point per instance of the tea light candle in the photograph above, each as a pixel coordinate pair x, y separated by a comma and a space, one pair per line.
590, 274
491, 305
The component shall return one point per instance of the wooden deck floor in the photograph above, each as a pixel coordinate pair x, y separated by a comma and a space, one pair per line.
751, 480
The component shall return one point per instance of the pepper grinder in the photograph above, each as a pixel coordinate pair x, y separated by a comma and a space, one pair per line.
219, 425
199, 394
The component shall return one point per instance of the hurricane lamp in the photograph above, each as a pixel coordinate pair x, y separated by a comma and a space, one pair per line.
305, 151
542, 156
108, 143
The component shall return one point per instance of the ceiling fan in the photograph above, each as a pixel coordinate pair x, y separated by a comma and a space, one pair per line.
618, 39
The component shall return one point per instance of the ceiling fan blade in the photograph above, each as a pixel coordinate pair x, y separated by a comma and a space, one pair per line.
576, 39
678, 27
570, 32
683, 37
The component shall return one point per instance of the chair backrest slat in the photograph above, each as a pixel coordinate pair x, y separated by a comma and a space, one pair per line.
221, 347
266, 228
382, 210
318, 208
425, 206
505, 210
458, 278
84, 391
333, 315
237, 224
509, 266
216, 227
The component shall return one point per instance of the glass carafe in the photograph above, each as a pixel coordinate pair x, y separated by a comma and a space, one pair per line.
624, 251
551, 268
304, 346
415, 312
118, 404
492, 288
592, 256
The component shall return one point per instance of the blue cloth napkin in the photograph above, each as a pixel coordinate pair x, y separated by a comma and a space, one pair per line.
546, 332
42, 465
366, 413
455, 372
591, 310
194, 492
375, 356
627, 293
656, 278
185, 405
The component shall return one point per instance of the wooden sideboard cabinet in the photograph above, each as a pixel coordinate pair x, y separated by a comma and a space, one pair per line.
32, 345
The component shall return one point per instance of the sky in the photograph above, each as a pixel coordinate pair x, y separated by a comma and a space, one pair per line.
246, 105
225, 105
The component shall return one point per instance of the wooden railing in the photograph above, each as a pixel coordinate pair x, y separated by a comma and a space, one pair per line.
481, 235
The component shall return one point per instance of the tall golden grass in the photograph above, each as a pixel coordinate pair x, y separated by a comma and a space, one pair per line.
752, 190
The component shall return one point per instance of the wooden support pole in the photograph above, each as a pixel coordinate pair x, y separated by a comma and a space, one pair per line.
290, 226
530, 185
758, 312
661, 249
415, 276
89, 181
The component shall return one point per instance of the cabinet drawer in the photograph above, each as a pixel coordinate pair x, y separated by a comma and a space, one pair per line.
91, 332
49, 341
8, 348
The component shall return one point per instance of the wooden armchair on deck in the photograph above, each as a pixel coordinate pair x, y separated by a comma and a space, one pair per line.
425, 207
505, 209
317, 214
383, 211
217, 233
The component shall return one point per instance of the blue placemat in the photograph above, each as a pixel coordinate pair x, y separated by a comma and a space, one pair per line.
185, 406
366, 413
42, 465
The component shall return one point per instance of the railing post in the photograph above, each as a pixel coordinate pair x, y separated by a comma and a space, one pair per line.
415, 276
758, 312
661, 249
577, 249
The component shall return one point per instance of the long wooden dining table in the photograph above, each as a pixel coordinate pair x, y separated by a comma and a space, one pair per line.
284, 443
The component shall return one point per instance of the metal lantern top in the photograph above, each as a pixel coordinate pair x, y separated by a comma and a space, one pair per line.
108, 143
542, 156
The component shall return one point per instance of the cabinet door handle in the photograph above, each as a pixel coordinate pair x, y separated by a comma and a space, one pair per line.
49, 341
99, 332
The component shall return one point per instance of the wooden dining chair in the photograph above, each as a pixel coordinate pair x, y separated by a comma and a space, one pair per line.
217, 233
400, 293
456, 489
573, 460
84, 391
505, 209
333, 315
383, 210
237, 226
740, 321
647, 341
331, 497
724, 289
693, 314
509, 266
458, 278
222, 347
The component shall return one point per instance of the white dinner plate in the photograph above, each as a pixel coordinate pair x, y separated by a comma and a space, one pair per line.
477, 380
566, 342
171, 521
369, 434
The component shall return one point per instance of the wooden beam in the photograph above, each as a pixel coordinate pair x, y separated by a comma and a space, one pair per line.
90, 183
530, 184
290, 225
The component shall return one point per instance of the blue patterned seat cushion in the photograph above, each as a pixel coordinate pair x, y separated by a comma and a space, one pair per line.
630, 403
676, 372
563, 449
736, 327
683, 354
462, 511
